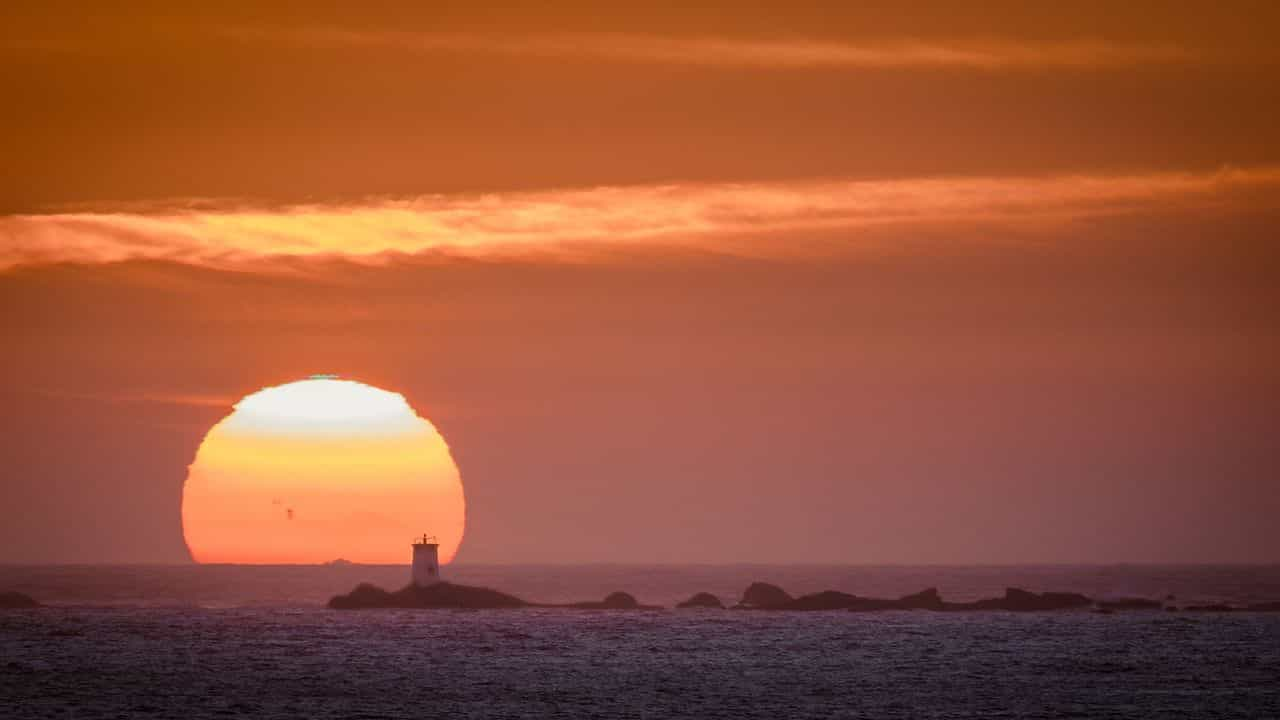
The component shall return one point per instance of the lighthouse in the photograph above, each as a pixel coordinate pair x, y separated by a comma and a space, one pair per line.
426, 562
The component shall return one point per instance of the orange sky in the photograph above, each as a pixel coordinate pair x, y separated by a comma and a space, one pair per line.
929, 284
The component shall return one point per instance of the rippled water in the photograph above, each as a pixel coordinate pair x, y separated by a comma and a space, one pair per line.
291, 658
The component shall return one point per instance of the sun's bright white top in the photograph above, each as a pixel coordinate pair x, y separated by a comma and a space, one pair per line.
325, 405
320, 469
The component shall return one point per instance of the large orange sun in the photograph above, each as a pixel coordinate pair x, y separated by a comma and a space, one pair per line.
317, 470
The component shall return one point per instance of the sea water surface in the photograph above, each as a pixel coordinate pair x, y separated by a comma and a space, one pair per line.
257, 642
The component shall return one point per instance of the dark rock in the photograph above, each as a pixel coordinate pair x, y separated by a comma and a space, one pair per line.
1273, 606
620, 600
439, 595
764, 595
1130, 604
449, 595
702, 600
1019, 600
1050, 601
826, 600
873, 604
614, 601
833, 600
16, 600
1213, 607
772, 597
460, 596
364, 596
924, 600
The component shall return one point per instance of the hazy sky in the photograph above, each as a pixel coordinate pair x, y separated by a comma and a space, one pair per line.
950, 283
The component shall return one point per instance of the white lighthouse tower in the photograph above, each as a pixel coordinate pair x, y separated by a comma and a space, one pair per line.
426, 562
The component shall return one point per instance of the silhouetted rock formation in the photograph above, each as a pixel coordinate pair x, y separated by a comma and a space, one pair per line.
833, 600
764, 595
364, 596
825, 600
1130, 604
450, 595
758, 595
440, 595
17, 600
615, 601
771, 597
1019, 600
924, 600
1272, 606
702, 600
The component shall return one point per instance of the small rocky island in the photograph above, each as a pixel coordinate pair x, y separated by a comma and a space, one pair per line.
702, 600
427, 589
438, 595
1273, 606
614, 601
13, 600
452, 595
761, 596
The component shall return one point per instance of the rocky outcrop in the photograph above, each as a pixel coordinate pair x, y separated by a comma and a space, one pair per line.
440, 595
16, 601
758, 595
1212, 607
826, 600
1272, 606
924, 600
833, 600
620, 601
771, 597
1019, 600
450, 595
765, 596
1130, 604
364, 596
614, 601
702, 600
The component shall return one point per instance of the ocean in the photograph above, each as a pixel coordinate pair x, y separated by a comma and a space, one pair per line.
227, 641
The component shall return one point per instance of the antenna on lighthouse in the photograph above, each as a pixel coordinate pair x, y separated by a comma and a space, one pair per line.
426, 561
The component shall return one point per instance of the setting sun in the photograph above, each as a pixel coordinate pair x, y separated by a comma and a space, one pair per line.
317, 470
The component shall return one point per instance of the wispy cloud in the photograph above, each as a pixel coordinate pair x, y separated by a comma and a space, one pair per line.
726, 52
195, 400
751, 218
